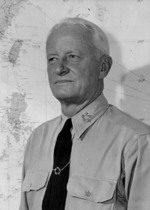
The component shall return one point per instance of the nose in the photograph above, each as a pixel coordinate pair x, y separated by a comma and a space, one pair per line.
62, 68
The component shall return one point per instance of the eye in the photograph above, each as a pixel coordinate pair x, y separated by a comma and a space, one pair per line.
73, 58
52, 60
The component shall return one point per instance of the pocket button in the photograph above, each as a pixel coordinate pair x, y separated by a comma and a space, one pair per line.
88, 193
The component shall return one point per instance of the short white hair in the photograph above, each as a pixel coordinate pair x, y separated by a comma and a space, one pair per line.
99, 39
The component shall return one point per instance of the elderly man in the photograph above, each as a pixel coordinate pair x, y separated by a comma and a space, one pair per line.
93, 156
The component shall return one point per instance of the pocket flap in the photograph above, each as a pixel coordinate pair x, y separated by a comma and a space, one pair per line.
91, 189
34, 180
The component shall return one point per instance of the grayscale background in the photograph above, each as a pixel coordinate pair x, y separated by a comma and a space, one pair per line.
25, 97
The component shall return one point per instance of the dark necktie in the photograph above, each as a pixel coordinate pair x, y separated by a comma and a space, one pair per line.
56, 192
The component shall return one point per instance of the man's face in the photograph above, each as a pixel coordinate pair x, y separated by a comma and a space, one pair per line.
73, 69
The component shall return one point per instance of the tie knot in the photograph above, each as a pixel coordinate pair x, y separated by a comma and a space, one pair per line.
68, 124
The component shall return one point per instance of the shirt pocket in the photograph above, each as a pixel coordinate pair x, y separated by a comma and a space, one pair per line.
91, 189
34, 180
34, 186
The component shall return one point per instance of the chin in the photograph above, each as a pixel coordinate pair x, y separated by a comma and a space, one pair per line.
68, 98
61, 96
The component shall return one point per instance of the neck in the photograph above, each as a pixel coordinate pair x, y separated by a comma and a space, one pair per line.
71, 109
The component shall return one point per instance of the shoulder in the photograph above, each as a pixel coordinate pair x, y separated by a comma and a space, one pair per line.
122, 119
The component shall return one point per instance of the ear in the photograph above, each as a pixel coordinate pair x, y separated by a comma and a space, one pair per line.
105, 66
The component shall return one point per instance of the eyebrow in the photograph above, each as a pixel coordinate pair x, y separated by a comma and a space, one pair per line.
68, 52
51, 54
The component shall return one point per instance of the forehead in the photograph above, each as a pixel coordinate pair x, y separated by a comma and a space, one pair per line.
75, 34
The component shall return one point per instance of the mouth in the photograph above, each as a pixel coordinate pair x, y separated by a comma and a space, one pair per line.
63, 81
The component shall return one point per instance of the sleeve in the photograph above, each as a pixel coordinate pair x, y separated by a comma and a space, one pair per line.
137, 174
23, 202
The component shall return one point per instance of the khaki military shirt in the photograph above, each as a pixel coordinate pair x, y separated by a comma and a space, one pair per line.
110, 161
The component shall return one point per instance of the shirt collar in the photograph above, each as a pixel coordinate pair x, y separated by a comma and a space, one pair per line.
87, 116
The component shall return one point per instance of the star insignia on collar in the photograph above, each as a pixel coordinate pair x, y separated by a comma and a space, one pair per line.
87, 117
